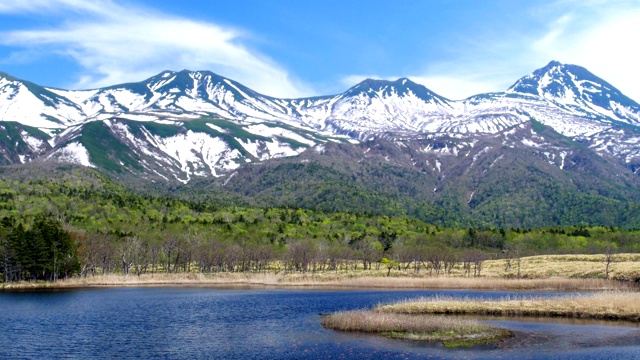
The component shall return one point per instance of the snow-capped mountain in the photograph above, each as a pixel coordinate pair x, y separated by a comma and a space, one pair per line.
575, 89
177, 125
373, 107
172, 126
176, 95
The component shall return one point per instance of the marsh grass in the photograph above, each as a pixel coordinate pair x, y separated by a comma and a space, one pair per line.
603, 305
369, 321
450, 331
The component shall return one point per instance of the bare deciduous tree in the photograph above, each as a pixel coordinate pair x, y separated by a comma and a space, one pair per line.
609, 250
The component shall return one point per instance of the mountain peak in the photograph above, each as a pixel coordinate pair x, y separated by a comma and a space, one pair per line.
201, 73
401, 87
377, 83
573, 86
372, 83
183, 79
553, 63
555, 79
405, 82
183, 73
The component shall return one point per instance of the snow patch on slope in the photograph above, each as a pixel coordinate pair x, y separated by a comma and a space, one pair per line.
198, 152
268, 131
34, 144
74, 153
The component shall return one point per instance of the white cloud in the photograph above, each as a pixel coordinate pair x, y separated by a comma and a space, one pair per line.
115, 43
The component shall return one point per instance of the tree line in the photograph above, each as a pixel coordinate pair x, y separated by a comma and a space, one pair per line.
48, 249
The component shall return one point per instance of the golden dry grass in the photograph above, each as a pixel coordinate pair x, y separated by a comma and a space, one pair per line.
603, 305
625, 267
452, 332
369, 321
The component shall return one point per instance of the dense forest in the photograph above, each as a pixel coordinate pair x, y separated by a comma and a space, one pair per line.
80, 222
43, 252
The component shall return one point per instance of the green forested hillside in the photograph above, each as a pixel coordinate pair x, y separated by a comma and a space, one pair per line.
92, 225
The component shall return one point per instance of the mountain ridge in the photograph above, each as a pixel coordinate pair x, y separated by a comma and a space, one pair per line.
558, 137
212, 93
367, 110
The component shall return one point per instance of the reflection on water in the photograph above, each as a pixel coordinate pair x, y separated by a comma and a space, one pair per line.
263, 324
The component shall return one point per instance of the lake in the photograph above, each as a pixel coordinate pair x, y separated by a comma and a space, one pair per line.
208, 323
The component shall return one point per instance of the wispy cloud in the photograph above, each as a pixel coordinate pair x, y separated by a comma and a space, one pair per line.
115, 43
556, 31
54, 6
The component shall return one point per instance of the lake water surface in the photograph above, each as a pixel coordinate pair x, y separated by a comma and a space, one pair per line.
205, 323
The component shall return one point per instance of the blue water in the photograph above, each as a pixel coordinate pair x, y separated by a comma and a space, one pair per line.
203, 323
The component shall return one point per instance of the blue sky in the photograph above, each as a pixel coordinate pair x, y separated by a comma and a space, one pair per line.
295, 48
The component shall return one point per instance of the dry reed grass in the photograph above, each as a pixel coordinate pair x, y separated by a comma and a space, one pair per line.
369, 321
604, 305
452, 332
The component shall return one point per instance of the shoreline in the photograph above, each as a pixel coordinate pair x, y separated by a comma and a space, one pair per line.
322, 281
555, 273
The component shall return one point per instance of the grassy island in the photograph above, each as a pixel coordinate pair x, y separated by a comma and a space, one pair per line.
425, 319
451, 332
604, 305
